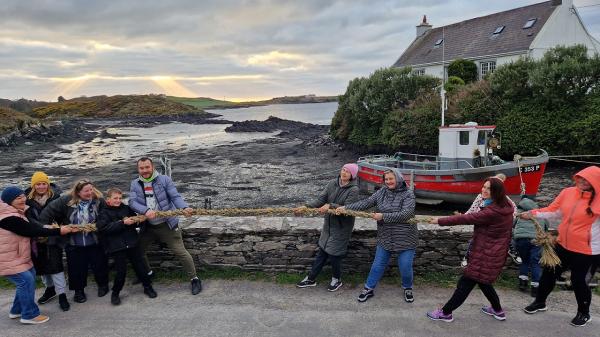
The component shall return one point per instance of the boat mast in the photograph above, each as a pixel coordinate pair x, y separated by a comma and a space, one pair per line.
442, 90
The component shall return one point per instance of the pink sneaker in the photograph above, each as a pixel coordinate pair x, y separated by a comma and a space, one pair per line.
438, 315
499, 315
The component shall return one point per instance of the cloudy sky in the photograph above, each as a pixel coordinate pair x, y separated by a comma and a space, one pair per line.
232, 49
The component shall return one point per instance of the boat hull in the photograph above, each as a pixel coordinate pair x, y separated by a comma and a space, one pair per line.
456, 185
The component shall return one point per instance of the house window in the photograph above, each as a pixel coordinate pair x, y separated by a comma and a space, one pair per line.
529, 23
498, 30
419, 72
486, 68
439, 42
463, 137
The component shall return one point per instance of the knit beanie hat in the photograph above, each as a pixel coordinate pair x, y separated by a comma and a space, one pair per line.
10, 193
39, 177
352, 168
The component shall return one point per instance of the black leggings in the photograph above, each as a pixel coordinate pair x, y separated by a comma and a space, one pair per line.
579, 264
136, 257
463, 289
321, 259
79, 259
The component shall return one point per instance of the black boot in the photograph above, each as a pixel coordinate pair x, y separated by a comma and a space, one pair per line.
63, 302
102, 290
523, 284
196, 286
150, 291
114, 298
49, 294
79, 296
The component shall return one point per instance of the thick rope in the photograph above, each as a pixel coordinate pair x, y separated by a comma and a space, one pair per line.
281, 211
547, 241
240, 212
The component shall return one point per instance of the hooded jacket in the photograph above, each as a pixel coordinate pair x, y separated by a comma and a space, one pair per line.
336, 229
116, 235
35, 210
15, 249
491, 237
165, 192
578, 231
394, 233
525, 229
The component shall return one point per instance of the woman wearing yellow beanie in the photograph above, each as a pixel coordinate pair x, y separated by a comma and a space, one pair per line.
46, 254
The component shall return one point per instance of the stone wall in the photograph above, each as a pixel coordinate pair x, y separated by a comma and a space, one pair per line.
289, 244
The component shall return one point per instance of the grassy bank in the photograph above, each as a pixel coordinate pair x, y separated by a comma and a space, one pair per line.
12, 119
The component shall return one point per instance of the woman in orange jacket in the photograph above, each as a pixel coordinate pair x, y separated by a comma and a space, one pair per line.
578, 243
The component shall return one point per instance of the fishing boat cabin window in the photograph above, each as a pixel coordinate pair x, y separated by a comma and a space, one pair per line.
481, 137
463, 138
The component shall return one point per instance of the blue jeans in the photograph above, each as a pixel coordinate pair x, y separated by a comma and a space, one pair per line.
382, 258
530, 254
24, 302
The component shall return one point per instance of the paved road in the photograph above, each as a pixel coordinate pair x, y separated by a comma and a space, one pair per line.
242, 308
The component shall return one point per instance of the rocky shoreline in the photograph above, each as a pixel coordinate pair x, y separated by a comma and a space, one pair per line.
286, 169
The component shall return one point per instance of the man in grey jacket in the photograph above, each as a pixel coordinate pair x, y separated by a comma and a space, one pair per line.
152, 192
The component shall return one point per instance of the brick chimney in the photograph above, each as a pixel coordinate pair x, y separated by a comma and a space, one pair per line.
423, 27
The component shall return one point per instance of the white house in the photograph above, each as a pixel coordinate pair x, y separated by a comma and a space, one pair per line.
498, 38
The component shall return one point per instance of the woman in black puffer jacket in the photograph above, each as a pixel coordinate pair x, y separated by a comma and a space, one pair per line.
47, 253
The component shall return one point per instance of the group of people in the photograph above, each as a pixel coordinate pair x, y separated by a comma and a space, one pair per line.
496, 220
32, 244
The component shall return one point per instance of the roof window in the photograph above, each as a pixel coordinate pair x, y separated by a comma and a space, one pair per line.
439, 42
529, 23
498, 30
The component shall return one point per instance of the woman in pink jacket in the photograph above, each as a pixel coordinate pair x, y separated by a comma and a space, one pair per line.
578, 243
15, 253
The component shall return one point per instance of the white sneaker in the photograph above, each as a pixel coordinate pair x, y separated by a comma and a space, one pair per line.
36, 320
13, 316
335, 284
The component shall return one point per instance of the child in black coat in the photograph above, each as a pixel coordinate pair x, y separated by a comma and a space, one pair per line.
120, 240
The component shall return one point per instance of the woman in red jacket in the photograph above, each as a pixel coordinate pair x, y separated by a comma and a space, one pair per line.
489, 249
578, 243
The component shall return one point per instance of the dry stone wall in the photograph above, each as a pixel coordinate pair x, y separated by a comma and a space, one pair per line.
289, 244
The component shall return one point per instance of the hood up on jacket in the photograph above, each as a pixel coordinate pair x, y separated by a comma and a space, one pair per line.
400, 183
592, 175
527, 204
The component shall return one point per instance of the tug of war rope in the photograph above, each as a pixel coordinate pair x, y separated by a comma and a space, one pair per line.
544, 239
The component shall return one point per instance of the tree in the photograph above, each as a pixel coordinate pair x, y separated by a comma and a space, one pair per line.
367, 101
453, 84
464, 69
61, 99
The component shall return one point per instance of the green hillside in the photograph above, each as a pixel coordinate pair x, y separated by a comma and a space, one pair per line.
115, 106
12, 119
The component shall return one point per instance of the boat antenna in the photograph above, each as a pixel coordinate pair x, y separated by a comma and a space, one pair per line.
442, 90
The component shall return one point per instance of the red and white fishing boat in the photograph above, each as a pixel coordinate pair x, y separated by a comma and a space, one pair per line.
466, 157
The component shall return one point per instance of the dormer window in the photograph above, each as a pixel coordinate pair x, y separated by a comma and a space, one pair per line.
439, 42
498, 30
529, 23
